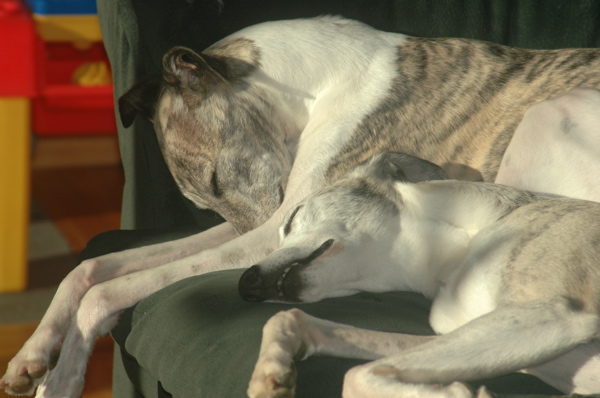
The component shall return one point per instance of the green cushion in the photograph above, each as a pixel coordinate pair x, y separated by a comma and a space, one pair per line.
209, 337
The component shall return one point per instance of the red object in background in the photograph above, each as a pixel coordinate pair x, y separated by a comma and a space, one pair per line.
17, 46
32, 68
63, 107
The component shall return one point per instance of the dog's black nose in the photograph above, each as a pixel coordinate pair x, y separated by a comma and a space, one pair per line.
251, 279
251, 285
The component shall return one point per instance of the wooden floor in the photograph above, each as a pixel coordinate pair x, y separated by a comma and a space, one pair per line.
77, 182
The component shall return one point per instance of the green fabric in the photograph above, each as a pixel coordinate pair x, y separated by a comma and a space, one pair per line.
213, 338
520, 23
209, 345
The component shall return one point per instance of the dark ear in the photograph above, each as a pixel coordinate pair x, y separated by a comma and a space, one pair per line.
406, 168
188, 68
142, 99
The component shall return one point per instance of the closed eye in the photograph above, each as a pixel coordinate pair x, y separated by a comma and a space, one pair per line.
215, 185
281, 194
322, 249
288, 226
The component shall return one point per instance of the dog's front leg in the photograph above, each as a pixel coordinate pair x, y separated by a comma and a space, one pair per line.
41, 350
293, 335
102, 304
98, 312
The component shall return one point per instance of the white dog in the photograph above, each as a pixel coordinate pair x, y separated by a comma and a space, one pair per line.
514, 278
267, 116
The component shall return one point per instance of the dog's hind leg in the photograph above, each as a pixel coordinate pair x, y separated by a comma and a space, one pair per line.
508, 339
293, 334
576, 372
556, 147
505, 340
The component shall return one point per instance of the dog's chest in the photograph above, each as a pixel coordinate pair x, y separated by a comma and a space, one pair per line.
467, 294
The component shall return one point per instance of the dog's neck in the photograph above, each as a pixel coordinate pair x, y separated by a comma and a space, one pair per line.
436, 212
445, 201
298, 45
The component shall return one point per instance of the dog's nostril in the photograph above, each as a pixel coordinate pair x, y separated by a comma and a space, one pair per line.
250, 286
251, 277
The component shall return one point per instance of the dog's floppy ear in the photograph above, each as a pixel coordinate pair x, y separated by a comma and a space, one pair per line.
406, 168
186, 68
141, 98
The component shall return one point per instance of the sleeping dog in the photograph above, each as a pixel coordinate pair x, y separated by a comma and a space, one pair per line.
265, 117
514, 278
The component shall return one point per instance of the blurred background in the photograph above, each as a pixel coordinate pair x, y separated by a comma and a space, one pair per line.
61, 179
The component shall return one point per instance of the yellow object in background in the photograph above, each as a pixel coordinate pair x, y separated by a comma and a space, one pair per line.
92, 74
15, 136
73, 28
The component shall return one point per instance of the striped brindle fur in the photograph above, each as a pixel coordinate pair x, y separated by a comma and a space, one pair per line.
267, 116
457, 102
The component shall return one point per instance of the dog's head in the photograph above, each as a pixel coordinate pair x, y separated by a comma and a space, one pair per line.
336, 241
221, 136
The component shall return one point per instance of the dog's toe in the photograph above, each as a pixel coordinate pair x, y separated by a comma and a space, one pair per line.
36, 370
287, 380
277, 392
18, 385
21, 379
273, 386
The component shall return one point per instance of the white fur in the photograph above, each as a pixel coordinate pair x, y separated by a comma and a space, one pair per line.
544, 157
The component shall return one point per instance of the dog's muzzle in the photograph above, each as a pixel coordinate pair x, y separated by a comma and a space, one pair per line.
284, 283
281, 285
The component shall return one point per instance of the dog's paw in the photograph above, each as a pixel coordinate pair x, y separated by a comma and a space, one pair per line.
22, 379
25, 372
273, 383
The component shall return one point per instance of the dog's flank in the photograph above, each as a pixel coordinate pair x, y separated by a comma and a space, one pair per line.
482, 90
